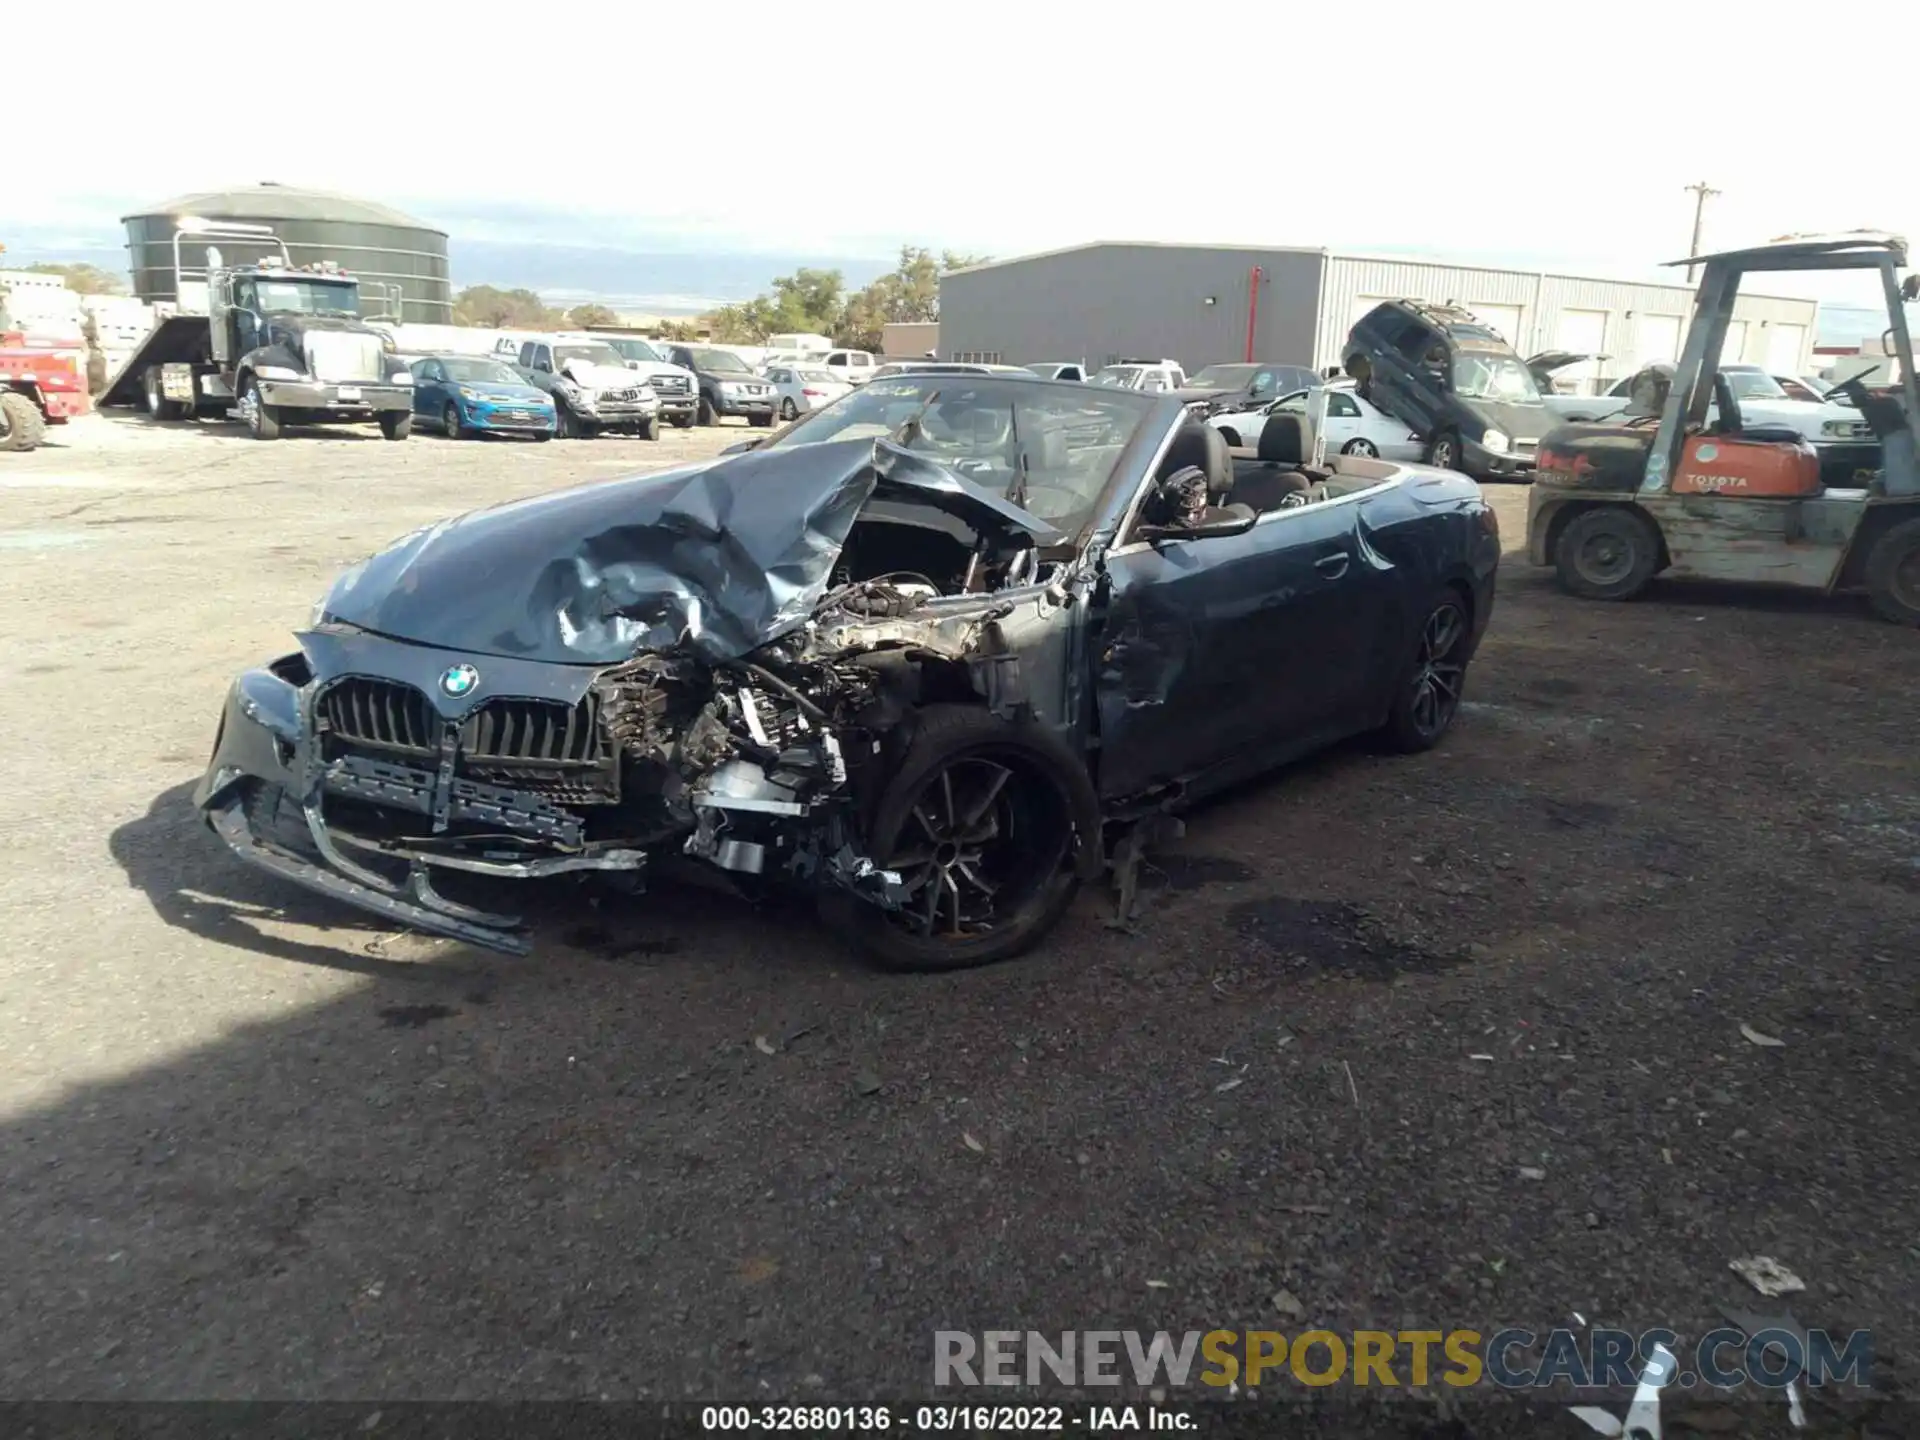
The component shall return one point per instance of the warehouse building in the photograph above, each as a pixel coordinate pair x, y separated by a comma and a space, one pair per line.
1199, 304
401, 262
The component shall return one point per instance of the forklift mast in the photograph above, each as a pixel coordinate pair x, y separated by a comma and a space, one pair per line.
1693, 381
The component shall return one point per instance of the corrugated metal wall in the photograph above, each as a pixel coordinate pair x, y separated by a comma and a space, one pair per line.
1100, 302
1640, 319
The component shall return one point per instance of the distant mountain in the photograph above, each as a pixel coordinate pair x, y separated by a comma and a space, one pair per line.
657, 282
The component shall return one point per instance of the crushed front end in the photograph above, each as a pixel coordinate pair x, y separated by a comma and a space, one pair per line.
363, 767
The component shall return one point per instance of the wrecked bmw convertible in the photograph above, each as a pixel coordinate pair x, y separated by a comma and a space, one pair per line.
913, 654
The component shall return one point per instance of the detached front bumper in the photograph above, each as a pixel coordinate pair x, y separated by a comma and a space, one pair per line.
516, 419
346, 399
612, 414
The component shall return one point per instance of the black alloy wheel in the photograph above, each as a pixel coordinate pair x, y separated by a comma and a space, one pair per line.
1427, 696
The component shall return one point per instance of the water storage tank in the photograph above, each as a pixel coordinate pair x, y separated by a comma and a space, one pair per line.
375, 243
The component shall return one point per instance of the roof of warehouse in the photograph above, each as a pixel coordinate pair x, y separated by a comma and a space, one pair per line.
270, 200
1330, 254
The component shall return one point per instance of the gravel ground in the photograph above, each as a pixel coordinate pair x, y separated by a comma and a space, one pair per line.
1484, 1010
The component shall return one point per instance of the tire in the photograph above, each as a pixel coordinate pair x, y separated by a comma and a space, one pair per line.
542, 436
565, 426
1893, 574
1426, 694
761, 422
1231, 436
262, 419
703, 412
683, 422
450, 422
649, 429
396, 424
788, 411
22, 426
1443, 451
1036, 794
1608, 553
158, 406
1362, 447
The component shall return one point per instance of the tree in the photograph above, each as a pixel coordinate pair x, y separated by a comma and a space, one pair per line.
494, 308
585, 317
83, 279
910, 293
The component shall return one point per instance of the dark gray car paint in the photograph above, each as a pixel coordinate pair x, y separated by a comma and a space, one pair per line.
720, 558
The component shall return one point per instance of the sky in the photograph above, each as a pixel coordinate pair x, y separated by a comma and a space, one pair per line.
1536, 135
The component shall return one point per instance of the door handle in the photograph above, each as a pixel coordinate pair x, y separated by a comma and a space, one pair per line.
1332, 566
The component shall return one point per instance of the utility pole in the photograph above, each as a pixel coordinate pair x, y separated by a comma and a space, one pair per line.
1700, 191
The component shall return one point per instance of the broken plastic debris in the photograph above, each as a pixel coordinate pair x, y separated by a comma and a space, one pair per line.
1487, 1058
1772, 1042
867, 1083
1767, 1275
1288, 1304
763, 1045
1796, 1413
971, 1143
1226, 1085
1532, 1172
1643, 1415
1156, 1284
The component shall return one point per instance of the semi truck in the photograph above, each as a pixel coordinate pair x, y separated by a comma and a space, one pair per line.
266, 342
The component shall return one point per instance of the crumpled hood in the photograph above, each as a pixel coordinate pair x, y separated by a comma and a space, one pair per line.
603, 377
720, 558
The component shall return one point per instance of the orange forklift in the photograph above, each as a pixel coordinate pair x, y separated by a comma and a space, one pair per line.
1687, 490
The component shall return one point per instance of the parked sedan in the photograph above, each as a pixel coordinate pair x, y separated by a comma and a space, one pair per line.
804, 387
1354, 427
890, 686
467, 395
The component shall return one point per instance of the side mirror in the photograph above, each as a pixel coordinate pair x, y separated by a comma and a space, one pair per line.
1910, 288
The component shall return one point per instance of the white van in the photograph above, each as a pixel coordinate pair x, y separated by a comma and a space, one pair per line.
800, 345
856, 367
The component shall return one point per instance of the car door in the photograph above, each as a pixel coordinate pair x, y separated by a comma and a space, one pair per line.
1257, 646
1392, 438
429, 394
1343, 421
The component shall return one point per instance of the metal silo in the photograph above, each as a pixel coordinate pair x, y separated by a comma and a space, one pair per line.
393, 255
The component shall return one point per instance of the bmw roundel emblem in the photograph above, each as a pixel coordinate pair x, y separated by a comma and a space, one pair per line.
459, 680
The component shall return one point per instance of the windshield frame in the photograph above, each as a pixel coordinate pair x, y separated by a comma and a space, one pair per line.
1147, 412
1760, 385
313, 287
701, 356
566, 350
1244, 374
507, 375
1499, 360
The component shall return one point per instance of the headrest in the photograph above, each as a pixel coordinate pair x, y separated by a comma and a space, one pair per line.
1219, 464
1283, 440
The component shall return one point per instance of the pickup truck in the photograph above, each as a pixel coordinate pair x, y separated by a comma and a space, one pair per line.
677, 386
592, 389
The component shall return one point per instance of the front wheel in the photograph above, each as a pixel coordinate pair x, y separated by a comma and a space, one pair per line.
649, 429
564, 423
450, 422
396, 424
1426, 697
21, 425
979, 823
787, 409
1362, 447
1444, 452
683, 421
1607, 554
158, 406
261, 419
1893, 574
703, 413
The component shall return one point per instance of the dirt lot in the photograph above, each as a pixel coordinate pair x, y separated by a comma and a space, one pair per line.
254, 1146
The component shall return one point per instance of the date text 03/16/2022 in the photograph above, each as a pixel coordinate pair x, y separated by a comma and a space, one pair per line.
942, 1419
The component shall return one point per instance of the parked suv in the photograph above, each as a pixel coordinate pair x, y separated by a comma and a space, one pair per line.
856, 367
728, 385
591, 387
1153, 375
1454, 382
674, 384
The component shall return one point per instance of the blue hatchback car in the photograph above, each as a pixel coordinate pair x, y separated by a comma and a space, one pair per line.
466, 395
